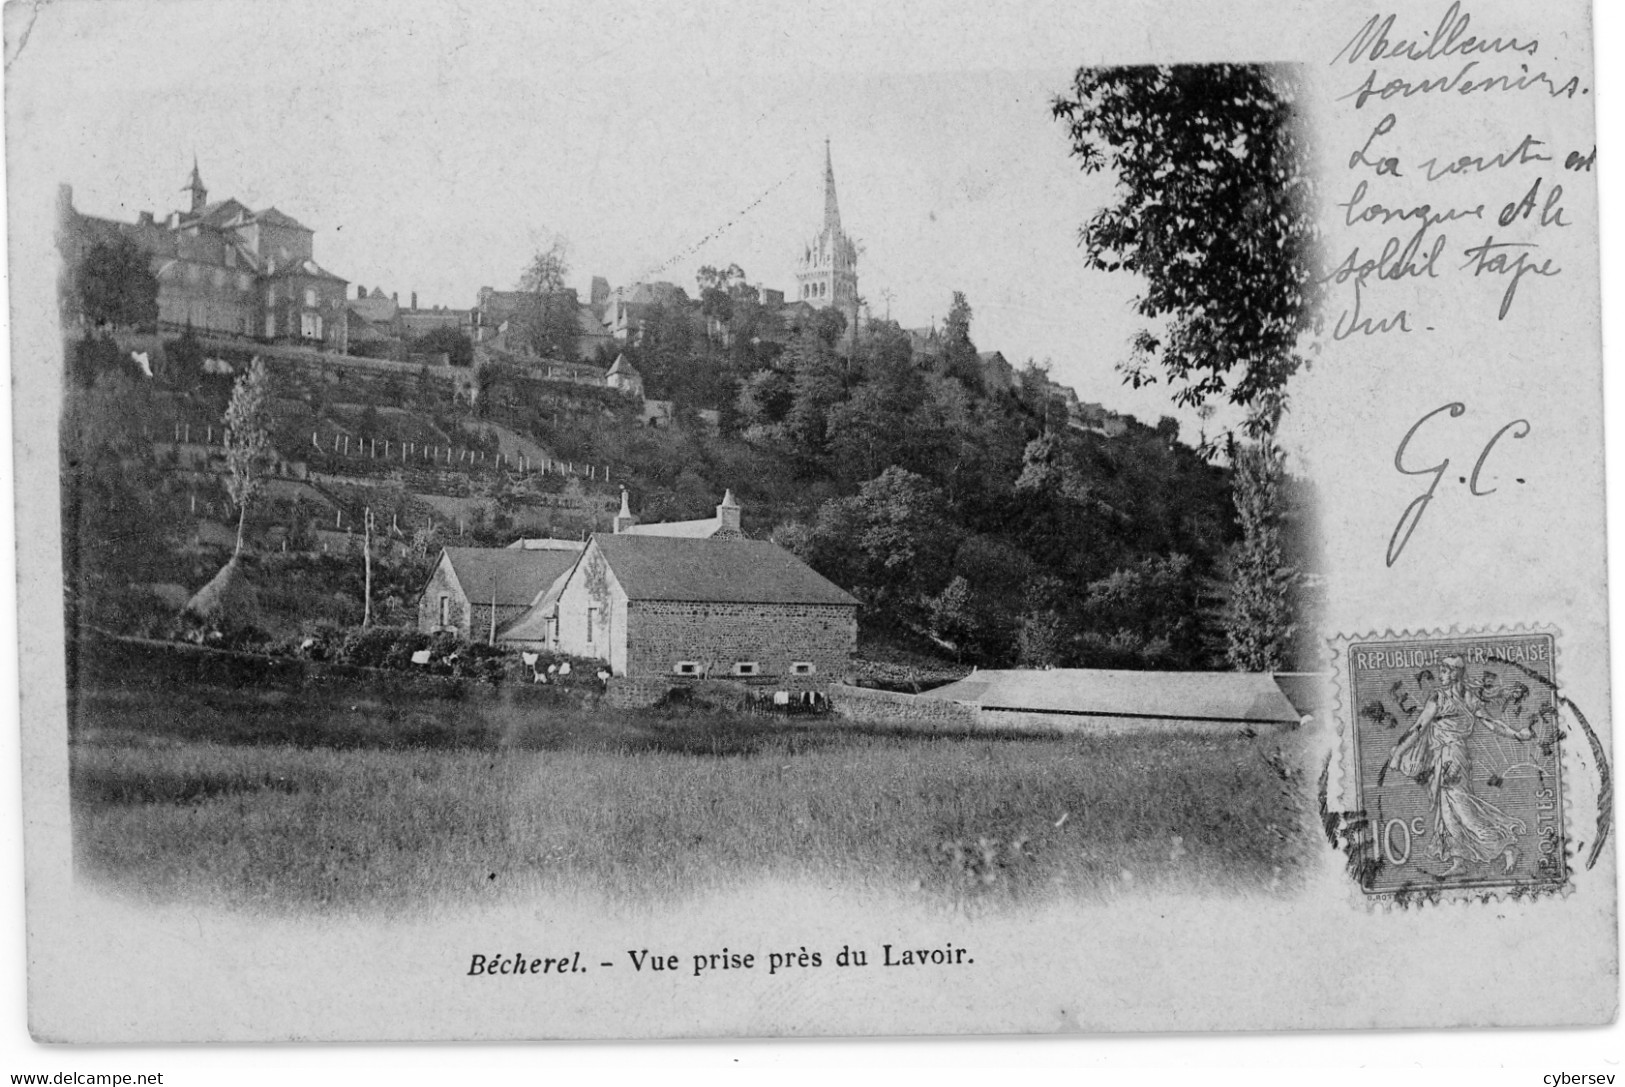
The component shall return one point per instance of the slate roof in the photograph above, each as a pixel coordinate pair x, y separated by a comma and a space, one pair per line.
374, 308
306, 267
654, 294
277, 218
694, 530
1307, 691
530, 625
518, 577
714, 571
1242, 697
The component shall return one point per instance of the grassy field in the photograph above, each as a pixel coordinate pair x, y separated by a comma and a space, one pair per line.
356, 799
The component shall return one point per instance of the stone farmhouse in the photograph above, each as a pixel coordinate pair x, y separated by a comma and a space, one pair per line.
665, 607
681, 599
478, 592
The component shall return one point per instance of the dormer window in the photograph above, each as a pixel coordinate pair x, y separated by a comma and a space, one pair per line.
746, 668
802, 668
686, 668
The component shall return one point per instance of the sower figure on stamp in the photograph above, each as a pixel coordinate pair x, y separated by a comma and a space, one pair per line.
1433, 752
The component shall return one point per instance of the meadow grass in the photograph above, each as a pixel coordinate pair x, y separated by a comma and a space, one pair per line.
358, 801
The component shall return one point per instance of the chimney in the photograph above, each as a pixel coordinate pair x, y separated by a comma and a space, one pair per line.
728, 513
395, 298
624, 520
414, 299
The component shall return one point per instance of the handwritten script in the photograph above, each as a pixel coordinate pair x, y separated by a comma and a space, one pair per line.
1450, 209
1488, 212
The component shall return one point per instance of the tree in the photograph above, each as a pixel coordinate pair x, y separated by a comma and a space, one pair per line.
489, 375
764, 398
1214, 213
718, 287
1259, 616
455, 345
183, 361
816, 387
547, 319
115, 286
958, 358
248, 441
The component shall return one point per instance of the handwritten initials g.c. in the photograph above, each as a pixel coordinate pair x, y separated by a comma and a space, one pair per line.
1412, 516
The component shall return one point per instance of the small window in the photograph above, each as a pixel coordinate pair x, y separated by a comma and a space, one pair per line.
592, 623
445, 610
802, 668
310, 297
746, 668
686, 668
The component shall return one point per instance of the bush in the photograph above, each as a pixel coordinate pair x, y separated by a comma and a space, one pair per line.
96, 355
457, 347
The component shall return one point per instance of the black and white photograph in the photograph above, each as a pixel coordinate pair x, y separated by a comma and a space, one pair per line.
718, 522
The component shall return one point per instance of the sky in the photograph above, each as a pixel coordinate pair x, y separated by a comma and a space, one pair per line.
435, 148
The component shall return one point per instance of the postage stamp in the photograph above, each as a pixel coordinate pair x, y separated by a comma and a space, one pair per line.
1453, 741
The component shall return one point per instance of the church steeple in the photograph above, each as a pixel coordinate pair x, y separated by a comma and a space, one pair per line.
200, 195
827, 274
832, 210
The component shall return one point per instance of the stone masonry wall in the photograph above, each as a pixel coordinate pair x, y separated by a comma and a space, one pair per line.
429, 604
660, 634
863, 705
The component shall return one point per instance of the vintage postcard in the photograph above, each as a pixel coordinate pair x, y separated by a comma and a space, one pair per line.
729, 521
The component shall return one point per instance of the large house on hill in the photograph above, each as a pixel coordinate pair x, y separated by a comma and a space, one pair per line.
496, 316
227, 269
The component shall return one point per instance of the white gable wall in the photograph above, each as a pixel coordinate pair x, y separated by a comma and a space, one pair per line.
593, 598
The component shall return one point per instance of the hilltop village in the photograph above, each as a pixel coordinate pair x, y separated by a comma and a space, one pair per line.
763, 484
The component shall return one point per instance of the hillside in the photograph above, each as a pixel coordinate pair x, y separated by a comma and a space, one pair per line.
976, 519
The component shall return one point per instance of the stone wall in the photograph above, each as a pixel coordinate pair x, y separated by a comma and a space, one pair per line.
457, 617
660, 634
864, 705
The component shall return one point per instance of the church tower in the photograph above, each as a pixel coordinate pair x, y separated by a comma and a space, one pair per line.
827, 274
200, 195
